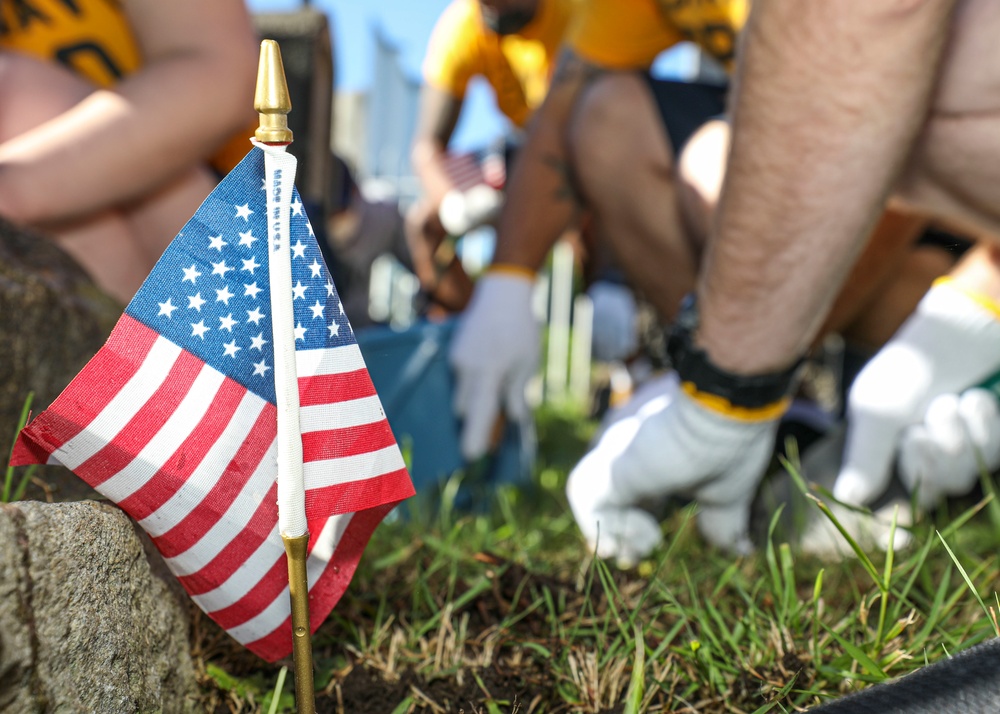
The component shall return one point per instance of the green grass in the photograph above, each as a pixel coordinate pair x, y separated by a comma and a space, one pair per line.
14, 485
503, 611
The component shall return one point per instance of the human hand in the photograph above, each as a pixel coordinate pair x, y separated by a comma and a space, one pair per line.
495, 352
959, 436
615, 312
461, 211
672, 446
951, 341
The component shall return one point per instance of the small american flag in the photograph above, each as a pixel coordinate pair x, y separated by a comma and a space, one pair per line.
486, 166
175, 420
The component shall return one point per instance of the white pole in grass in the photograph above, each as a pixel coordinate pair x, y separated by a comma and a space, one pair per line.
559, 319
273, 103
579, 363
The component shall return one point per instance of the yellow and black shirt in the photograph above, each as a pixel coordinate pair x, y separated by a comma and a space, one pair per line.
629, 34
90, 37
517, 66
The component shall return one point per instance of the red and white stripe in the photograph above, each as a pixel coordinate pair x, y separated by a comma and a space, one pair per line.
190, 454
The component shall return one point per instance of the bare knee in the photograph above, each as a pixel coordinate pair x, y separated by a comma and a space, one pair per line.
701, 169
615, 131
33, 91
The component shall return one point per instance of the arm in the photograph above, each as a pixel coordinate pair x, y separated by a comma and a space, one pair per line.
540, 196
193, 92
439, 112
829, 99
433, 262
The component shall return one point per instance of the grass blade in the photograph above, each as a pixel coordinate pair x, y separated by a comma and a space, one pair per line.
637, 682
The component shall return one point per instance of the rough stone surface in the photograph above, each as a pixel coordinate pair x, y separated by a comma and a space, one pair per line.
52, 320
86, 624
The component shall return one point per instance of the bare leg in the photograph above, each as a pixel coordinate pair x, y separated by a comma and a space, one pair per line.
156, 219
883, 314
626, 172
701, 171
886, 260
954, 170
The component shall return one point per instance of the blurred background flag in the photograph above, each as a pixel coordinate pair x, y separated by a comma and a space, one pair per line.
174, 419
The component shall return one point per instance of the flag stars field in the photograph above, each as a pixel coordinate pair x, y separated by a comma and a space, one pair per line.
224, 265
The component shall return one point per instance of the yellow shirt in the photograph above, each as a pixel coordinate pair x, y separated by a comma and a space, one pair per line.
629, 34
90, 37
517, 66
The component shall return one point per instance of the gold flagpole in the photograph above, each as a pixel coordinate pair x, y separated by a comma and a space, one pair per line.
273, 103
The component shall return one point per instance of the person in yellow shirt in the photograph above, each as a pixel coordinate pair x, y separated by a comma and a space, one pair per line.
109, 113
513, 45
606, 138
646, 158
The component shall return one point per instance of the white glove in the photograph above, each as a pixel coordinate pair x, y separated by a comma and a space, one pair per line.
943, 456
950, 342
671, 446
461, 211
614, 334
494, 354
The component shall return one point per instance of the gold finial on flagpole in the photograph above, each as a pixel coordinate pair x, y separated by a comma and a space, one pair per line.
271, 98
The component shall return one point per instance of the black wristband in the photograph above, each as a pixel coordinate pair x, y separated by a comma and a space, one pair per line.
693, 365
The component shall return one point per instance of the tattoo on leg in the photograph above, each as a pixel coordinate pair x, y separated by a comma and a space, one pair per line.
566, 190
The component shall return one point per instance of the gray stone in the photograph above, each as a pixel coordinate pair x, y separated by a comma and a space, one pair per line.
53, 319
86, 623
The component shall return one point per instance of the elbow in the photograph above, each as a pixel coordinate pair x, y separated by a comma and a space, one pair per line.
423, 153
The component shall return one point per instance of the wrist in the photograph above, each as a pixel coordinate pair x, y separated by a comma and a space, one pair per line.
981, 299
752, 398
515, 270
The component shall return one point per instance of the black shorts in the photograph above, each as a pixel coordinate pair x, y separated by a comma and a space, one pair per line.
686, 106
956, 245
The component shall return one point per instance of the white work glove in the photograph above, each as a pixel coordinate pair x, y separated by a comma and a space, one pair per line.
943, 456
614, 335
494, 354
671, 446
461, 211
950, 342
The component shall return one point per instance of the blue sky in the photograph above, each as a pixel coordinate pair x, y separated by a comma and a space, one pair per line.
408, 23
